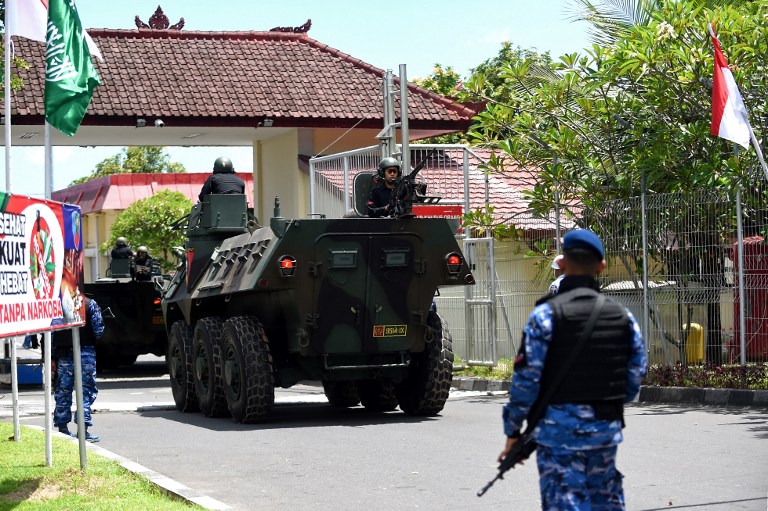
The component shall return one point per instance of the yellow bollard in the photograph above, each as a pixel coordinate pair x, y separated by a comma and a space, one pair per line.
694, 349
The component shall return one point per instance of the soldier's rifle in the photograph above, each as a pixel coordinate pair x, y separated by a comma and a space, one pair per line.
405, 190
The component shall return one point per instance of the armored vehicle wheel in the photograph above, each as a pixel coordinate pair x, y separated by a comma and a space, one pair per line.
249, 384
425, 390
377, 395
341, 394
179, 362
206, 361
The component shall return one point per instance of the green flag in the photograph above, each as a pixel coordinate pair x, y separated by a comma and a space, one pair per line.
69, 73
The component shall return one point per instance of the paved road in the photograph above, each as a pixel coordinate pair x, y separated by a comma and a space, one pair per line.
310, 456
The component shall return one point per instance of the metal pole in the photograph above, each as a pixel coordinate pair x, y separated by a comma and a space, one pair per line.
345, 163
557, 207
47, 347
644, 241
492, 297
96, 266
390, 106
14, 390
312, 187
467, 205
7, 83
78, 377
48, 162
742, 319
385, 143
406, 157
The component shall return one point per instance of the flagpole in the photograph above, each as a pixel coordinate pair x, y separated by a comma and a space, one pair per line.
48, 162
759, 151
7, 83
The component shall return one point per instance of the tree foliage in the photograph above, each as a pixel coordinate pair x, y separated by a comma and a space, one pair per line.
17, 62
135, 160
147, 222
593, 123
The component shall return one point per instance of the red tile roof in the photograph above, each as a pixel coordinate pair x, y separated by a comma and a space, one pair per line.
232, 79
118, 191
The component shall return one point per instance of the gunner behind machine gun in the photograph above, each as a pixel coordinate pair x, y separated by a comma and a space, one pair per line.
407, 190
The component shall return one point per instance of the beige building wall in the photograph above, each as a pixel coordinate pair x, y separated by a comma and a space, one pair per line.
276, 173
96, 230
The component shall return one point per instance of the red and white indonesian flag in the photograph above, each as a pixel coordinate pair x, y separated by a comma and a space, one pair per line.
729, 115
29, 18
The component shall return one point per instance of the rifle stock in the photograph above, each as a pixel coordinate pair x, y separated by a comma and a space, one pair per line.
521, 451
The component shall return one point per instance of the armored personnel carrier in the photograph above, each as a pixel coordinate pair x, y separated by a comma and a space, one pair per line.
132, 315
348, 302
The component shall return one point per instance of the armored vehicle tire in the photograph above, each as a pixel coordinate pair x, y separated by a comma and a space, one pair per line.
425, 390
341, 394
206, 361
179, 362
377, 395
249, 384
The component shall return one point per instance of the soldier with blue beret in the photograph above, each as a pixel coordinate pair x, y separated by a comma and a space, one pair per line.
581, 427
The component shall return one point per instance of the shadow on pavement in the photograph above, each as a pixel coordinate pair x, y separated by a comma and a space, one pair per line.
293, 415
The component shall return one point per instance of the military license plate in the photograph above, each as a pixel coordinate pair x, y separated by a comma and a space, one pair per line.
390, 330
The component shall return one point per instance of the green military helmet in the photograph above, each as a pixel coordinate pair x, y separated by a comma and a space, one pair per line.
223, 165
387, 162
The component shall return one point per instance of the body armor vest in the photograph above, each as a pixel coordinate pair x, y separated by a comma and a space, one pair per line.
599, 373
63, 338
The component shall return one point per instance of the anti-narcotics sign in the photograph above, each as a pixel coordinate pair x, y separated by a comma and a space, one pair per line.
41, 265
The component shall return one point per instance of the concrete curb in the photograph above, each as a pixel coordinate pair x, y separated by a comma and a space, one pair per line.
710, 397
169, 486
680, 395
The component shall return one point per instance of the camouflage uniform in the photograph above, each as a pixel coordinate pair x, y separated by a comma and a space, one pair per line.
66, 377
62, 415
577, 452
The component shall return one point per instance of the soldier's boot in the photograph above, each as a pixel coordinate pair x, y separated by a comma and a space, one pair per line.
65, 430
91, 438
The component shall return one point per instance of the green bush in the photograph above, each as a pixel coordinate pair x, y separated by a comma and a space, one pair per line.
751, 376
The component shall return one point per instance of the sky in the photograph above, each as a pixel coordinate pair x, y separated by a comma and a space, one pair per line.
418, 33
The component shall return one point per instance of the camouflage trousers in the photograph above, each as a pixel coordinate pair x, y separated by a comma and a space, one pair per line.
62, 415
579, 480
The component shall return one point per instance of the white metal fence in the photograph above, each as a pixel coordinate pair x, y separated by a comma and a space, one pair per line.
691, 311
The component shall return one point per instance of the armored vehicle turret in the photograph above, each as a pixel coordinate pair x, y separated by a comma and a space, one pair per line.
348, 302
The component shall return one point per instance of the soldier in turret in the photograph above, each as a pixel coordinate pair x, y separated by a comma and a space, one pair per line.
223, 180
380, 198
141, 269
121, 250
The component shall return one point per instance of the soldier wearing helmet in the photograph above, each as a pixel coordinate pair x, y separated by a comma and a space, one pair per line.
380, 198
223, 180
141, 269
121, 250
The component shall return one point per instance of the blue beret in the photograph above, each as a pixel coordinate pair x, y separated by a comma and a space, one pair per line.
583, 238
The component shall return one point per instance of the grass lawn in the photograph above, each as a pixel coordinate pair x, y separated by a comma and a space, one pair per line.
26, 483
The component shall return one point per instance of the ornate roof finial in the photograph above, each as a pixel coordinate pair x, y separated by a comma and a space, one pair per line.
303, 29
159, 21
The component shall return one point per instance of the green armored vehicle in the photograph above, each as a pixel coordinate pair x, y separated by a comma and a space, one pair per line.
132, 316
348, 302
